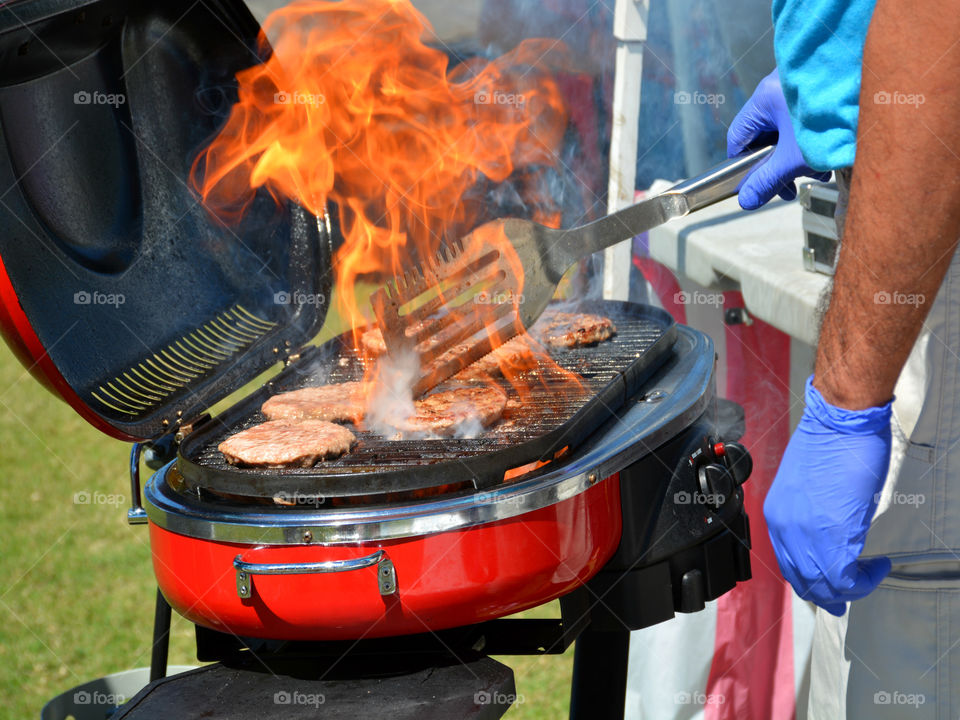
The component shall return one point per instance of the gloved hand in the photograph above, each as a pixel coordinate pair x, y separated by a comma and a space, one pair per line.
765, 120
821, 502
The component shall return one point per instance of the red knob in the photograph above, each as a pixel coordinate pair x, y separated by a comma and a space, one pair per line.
719, 450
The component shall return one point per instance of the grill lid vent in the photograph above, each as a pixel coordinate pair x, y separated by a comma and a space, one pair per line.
143, 387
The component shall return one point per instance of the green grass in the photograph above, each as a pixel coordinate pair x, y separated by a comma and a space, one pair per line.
76, 583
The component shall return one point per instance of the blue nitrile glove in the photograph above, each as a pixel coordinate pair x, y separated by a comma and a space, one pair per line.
765, 120
821, 502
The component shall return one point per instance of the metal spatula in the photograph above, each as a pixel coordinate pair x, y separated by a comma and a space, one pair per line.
496, 281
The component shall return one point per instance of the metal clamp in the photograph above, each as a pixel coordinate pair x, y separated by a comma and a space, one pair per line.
136, 515
386, 572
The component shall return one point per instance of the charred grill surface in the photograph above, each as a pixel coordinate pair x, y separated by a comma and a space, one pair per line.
611, 372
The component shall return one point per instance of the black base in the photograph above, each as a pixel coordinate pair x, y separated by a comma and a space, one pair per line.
254, 689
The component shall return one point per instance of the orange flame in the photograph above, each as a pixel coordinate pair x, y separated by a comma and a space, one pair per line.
354, 108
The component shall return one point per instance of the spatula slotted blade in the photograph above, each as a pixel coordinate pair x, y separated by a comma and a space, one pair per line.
516, 265
451, 311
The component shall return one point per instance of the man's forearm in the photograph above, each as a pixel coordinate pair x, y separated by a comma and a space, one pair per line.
904, 215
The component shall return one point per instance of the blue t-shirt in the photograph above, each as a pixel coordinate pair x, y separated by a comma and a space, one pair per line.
819, 48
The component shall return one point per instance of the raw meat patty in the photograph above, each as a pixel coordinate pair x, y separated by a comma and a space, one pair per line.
287, 443
342, 402
443, 413
575, 329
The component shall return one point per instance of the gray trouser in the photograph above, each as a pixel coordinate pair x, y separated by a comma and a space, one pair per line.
896, 653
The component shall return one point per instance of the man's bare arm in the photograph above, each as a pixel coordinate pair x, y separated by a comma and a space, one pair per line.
904, 215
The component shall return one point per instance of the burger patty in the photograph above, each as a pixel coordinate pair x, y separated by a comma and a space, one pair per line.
342, 402
553, 328
575, 329
511, 354
446, 412
287, 443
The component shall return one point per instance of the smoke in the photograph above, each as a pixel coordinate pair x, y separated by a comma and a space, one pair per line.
586, 283
391, 410
470, 428
390, 401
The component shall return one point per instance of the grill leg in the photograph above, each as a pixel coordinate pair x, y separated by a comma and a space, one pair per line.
599, 675
161, 639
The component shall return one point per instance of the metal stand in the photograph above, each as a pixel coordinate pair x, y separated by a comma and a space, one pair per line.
161, 639
599, 685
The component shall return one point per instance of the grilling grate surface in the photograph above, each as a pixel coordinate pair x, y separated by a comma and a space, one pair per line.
641, 333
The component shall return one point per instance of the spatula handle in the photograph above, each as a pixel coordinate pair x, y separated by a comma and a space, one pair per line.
719, 182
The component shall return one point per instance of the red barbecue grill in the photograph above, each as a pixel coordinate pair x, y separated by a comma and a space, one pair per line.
386, 573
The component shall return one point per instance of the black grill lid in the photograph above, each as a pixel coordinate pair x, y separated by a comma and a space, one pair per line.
149, 308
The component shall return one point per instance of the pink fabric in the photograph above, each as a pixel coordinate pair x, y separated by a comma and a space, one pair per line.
664, 284
752, 674
753, 650
588, 164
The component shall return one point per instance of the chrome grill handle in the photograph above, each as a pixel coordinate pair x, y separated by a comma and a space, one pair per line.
386, 572
136, 515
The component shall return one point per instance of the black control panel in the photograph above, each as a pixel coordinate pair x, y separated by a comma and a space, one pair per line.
686, 537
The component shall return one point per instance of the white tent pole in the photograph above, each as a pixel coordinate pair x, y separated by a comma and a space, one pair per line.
630, 32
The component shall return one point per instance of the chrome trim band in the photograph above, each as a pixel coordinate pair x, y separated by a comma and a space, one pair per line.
687, 386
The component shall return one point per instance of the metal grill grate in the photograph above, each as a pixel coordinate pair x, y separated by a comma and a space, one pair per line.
194, 355
640, 335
